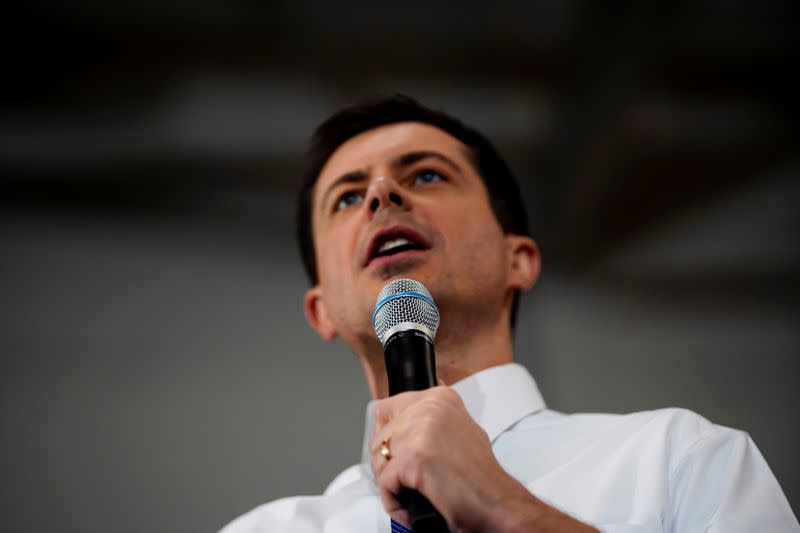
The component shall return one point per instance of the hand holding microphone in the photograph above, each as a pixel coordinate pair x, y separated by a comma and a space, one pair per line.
425, 441
433, 463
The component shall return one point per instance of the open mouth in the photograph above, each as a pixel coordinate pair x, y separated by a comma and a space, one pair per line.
394, 243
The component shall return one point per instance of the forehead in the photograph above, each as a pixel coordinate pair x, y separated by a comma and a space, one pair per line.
374, 147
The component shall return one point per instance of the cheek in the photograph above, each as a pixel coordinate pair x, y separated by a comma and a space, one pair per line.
335, 254
479, 236
472, 218
329, 259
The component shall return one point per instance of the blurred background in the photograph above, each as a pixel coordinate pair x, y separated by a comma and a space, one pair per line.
157, 372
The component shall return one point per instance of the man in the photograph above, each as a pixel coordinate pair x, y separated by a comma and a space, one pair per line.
397, 190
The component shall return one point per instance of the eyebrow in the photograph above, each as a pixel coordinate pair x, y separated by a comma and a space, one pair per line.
405, 160
412, 157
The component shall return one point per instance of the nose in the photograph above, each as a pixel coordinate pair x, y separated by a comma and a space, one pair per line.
383, 193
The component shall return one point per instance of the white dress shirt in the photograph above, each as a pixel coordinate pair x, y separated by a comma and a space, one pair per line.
664, 470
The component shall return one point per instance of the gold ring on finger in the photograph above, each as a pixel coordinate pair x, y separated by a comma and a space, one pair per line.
386, 452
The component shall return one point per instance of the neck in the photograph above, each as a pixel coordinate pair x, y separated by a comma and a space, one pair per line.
460, 352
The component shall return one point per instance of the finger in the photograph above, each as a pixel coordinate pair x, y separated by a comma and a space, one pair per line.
390, 484
394, 415
386, 412
399, 473
395, 510
378, 461
393, 436
440, 381
389, 408
381, 435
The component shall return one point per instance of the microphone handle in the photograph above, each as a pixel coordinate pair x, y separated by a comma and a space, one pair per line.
411, 365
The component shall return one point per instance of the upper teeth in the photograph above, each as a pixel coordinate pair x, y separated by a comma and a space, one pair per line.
388, 245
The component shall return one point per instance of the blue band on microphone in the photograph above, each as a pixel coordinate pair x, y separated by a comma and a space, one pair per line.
402, 295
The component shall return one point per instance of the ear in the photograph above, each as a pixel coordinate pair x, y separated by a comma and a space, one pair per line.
317, 313
524, 262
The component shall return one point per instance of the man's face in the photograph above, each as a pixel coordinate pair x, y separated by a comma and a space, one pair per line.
404, 200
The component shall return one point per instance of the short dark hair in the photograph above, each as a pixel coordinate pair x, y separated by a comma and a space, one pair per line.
504, 193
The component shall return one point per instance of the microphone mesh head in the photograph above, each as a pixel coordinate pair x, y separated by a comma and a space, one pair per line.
402, 301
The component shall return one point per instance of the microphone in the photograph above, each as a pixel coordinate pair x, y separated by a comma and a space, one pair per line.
406, 319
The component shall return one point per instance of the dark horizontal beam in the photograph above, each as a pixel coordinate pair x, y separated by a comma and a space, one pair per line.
93, 66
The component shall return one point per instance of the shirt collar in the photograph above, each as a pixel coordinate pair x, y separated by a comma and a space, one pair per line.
496, 398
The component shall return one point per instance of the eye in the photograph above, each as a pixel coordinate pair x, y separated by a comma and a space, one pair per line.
428, 176
347, 199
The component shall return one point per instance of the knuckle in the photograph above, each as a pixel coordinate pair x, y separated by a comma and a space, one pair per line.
450, 396
425, 422
440, 393
444, 397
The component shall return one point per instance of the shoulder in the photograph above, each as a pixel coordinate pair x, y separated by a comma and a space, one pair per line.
683, 423
673, 429
348, 477
671, 432
681, 430
299, 513
686, 448
273, 516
